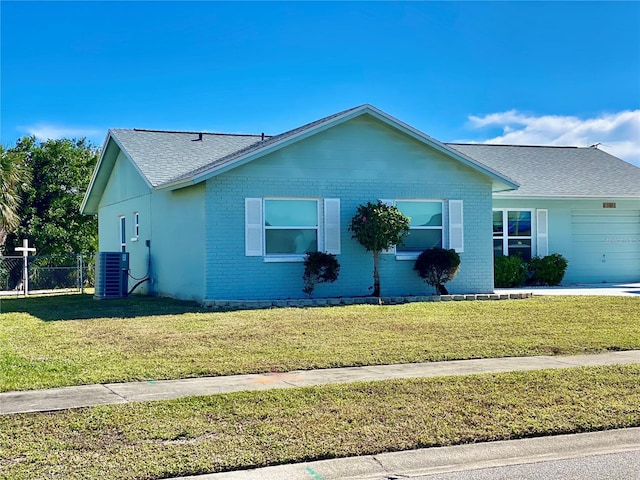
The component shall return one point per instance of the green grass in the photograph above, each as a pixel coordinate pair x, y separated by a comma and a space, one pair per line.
73, 339
233, 431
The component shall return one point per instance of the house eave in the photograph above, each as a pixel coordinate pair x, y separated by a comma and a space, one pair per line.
505, 196
90, 206
87, 207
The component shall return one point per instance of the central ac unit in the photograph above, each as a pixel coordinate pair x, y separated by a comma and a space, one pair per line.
112, 269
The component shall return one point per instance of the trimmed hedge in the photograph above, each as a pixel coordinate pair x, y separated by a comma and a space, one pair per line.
512, 271
547, 270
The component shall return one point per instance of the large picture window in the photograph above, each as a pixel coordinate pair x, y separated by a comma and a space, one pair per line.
512, 233
425, 225
290, 226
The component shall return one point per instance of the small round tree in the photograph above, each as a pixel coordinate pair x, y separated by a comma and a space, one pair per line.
436, 266
378, 227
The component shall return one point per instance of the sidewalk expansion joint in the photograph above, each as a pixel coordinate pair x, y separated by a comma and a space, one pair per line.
385, 471
126, 400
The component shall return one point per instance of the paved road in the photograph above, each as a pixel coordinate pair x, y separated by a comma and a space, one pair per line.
614, 453
612, 466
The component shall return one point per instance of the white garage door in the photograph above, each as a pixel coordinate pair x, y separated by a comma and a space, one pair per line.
606, 246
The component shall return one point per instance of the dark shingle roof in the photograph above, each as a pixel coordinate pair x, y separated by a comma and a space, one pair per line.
545, 171
164, 156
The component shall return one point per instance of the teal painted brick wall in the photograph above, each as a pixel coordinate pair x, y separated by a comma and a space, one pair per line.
356, 162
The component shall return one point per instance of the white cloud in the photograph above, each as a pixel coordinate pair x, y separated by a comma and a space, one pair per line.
618, 133
44, 131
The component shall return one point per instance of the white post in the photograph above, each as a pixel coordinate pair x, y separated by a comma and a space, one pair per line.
25, 249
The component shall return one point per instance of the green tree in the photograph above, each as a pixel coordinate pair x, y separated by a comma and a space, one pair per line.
436, 266
50, 215
378, 227
14, 179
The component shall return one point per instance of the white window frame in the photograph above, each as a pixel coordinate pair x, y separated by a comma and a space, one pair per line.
505, 237
122, 230
136, 226
290, 257
411, 255
328, 228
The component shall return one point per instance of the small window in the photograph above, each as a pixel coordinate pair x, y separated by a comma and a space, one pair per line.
123, 234
136, 224
512, 233
290, 226
425, 225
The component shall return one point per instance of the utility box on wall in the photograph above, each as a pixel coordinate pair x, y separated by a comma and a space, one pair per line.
112, 269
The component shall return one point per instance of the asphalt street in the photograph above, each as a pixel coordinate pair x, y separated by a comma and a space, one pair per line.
612, 466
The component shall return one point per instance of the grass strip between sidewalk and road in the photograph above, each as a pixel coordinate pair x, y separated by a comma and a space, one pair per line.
74, 339
252, 429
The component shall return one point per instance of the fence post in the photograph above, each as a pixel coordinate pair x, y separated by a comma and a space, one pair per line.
81, 269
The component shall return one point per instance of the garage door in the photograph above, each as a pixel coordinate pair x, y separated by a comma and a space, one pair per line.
606, 246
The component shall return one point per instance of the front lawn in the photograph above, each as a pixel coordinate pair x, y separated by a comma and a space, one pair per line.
74, 339
242, 430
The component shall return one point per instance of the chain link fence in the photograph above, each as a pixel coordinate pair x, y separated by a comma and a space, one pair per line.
46, 274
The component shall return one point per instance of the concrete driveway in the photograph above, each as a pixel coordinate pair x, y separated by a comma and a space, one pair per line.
606, 289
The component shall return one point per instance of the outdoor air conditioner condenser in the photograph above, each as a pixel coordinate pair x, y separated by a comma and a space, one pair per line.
112, 269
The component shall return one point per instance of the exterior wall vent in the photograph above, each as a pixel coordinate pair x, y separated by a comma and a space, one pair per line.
112, 275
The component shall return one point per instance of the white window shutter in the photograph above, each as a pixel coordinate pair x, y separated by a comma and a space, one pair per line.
332, 225
542, 235
392, 250
456, 229
253, 227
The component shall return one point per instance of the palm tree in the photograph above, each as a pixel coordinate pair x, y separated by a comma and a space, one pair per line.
14, 173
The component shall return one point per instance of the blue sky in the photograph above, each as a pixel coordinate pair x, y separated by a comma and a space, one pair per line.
504, 72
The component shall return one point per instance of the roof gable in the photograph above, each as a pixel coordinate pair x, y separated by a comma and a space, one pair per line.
270, 144
167, 159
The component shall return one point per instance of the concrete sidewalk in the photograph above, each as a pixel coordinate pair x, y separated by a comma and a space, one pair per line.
114, 393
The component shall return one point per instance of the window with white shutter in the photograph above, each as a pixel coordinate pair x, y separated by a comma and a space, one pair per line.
285, 229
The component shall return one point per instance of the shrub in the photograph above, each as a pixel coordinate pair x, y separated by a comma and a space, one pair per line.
319, 267
509, 271
436, 266
547, 270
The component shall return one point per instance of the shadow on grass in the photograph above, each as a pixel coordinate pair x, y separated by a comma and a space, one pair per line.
83, 306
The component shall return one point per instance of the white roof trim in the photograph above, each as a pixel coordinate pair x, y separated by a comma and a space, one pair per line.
97, 169
333, 121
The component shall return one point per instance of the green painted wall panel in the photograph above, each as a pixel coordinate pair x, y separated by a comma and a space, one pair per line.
126, 193
361, 149
601, 244
178, 244
173, 222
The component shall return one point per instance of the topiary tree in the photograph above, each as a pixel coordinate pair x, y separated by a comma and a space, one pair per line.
436, 266
319, 267
378, 227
